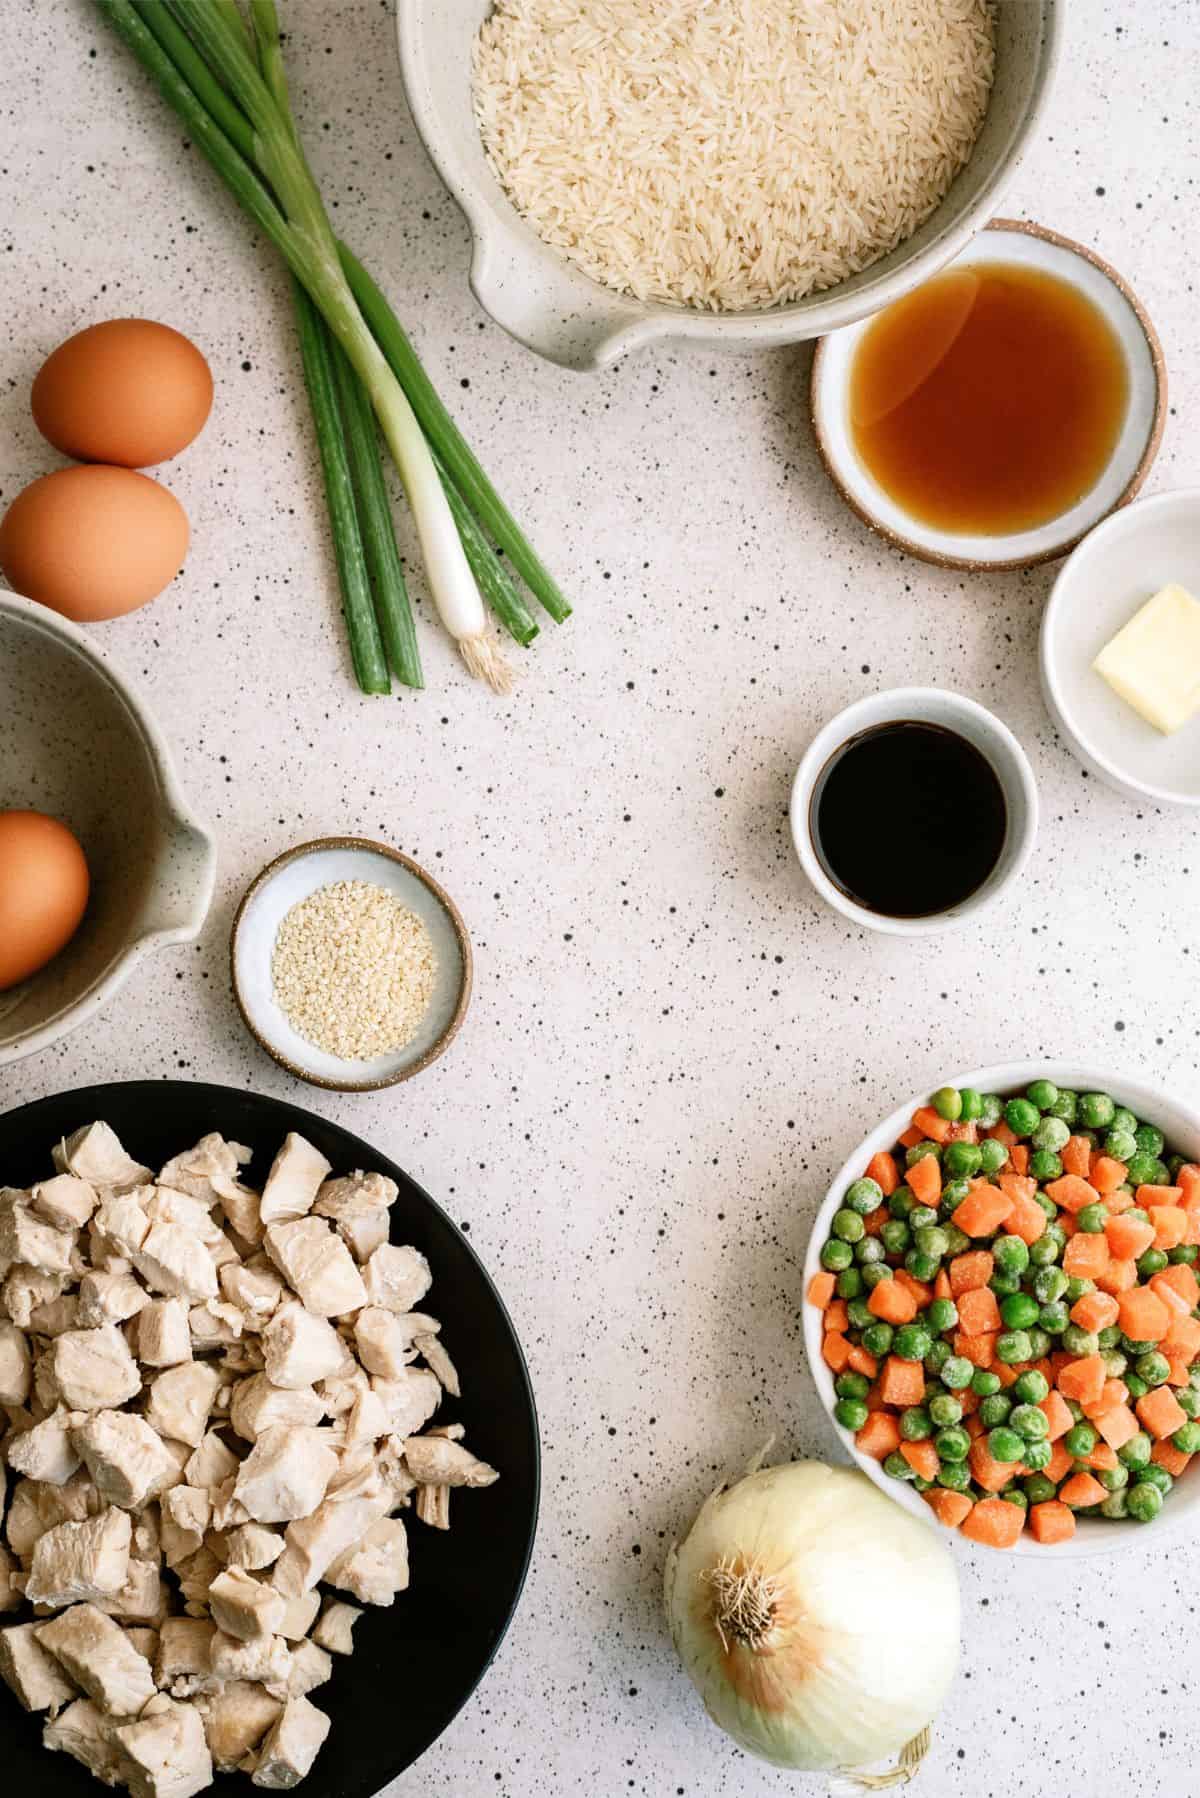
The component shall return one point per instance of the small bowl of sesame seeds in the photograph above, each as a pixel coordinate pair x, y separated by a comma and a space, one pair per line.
351, 966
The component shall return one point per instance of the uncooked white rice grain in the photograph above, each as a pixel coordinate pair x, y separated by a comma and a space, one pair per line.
730, 154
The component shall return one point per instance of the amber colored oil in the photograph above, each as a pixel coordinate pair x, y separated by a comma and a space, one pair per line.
990, 400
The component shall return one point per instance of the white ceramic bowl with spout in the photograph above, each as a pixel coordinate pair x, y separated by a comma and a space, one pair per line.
550, 305
77, 742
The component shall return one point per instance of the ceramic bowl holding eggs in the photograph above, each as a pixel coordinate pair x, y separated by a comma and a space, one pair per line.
78, 745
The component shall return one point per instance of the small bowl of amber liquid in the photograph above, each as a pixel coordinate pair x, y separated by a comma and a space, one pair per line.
994, 416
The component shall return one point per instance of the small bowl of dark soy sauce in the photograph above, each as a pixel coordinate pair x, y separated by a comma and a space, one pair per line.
912, 810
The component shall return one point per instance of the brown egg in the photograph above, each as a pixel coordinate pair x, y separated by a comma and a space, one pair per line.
93, 542
43, 892
127, 391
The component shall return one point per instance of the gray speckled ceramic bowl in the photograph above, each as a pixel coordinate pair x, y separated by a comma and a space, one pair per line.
77, 742
554, 308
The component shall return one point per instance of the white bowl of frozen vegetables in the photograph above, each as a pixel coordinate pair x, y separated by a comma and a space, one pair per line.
1091, 1105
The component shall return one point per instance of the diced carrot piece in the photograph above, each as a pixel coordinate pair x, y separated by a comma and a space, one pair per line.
980, 1351
983, 1211
1144, 1317
1106, 1173
978, 1312
1117, 1426
970, 1402
1067, 1225
1172, 1459
925, 1180
892, 1302
835, 1350
1128, 1237
930, 1124
1076, 1157
1150, 1196
941, 1285
922, 1457
1080, 1490
1118, 1277
919, 1289
1044, 1368
908, 1139
1170, 1223
1082, 1380
961, 1132
874, 1399
1018, 1156
1160, 1412
879, 1436
1188, 1178
1071, 1192
1115, 1392
970, 1270
836, 1316
1085, 1256
902, 1383
859, 1361
1060, 1463
1095, 1311
1182, 1339
950, 1508
1059, 1358
875, 1220
1001, 1133
821, 1289
1178, 1373
882, 1169
1026, 1219
973, 1424
1177, 1287
986, 1471
1054, 1408
994, 1523
1116, 1202
1017, 1186
1193, 1217
1051, 1521
1100, 1459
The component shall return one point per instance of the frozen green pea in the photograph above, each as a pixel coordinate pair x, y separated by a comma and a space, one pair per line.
1136, 1453
1053, 1317
1051, 1135
1079, 1440
1096, 1110
1019, 1310
1010, 1254
1152, 1262
1123, 1119
877, 1339
944, 1410
901, 1203
863, 1195
1187, 1438
1157, 1476
1143, 1501
1031, 1387
1121, 1145
1013, 1345
1038, 1455
1115, 1504
939, 1354
1078, 1288
1004, 1444
1066, 1106
1049, 1283
991, 1110
1154, 1368
851, 1413
836, 1256
852, 1385
895, 1465
953, 1194
922, 1151
932, 1241
954, 1475
995, 1410
848, 1226
956, 1373
952, 1444
869, 1249
1079, 1342
1042, 1093
992, 1156
985, 1383
915, 1425
1045, 1251
947, 1102
1039, 1342
1045, 1165
962, 1159
1038, 1489
1021, 1117
912, 1342
1030, 1423
895, 1235
1185, 1252
1003, 1284
874, 1273
860, 1314
941, 1315
849, 1283
1137, 1387
1113, 1478
1149, 1139
971, 1103
1092, 1219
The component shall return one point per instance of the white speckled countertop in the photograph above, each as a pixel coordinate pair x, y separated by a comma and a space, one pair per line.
672, 1044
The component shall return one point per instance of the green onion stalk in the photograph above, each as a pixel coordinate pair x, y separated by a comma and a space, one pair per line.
239, 118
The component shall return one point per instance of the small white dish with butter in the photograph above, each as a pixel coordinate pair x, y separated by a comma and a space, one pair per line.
1120, 650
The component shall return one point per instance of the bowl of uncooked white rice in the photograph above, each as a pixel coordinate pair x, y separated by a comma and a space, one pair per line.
733, 173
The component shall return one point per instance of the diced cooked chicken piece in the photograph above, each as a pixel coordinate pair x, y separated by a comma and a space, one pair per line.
335, 1631
168, 1205
285, 1474
142, 1598
432, 1505
211, 1462
410, 1401
30, 1671
95, 1154
311, 1667
436, 1461
207, 1170
357, 1205
300, 1615
100, 1658
397, 1278
175, 1261
253, 1546
127, 1460
55, 1316
28, 1238
164, 1339
196, 1574
25, 1289
144, 1544
317, 1265
10, 1597
108, 1298
255, 1288
266, 1659
121, 1222
181, 1400
300, 1349
245, 1607
312, 1543
342, 1391
46, 1396
75, 1561
240, 1208
93, 1369
189, 1508
144, 1639
368, 1420
214, 1324
183, 1665
15, 1365
376, 1567
294, 1181
257, 1404
384, 1346
47, 1452
64, 1201
243, 1357
236, 1719
86, 1734
433, 1352
37, 1507
167, 1751
291, 1746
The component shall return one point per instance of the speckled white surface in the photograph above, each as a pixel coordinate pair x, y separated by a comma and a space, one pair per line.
672, 1045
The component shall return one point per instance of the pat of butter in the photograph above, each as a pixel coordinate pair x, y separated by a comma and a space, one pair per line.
1153, 662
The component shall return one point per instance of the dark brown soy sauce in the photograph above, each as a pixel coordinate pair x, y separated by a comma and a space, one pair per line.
908, 819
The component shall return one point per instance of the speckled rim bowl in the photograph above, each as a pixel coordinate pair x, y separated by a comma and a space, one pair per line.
952, 711
1031, 246
552, 307
77, 741
290, 878
1180, 1124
